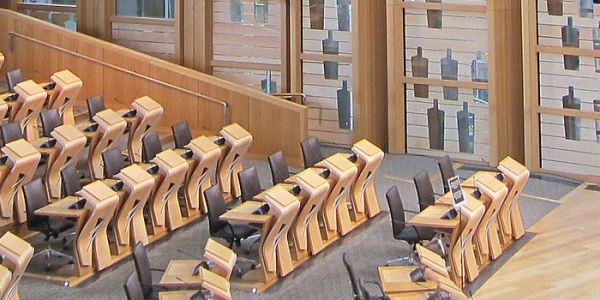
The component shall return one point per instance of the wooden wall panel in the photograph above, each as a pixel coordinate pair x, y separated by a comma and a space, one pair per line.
153, 37
39, 61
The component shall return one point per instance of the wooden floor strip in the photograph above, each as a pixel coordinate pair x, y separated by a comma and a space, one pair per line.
561, 262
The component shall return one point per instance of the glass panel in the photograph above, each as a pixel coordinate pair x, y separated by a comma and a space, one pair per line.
267, 81
330, 114
64, 2
570, 144
560, 88
447, 119
332, 34
164, 9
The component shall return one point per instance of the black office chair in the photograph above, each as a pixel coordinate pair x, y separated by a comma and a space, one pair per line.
95, 104
13, 78
311, 152
150, 146
70, 181
279, 168
446, 170
232, 233
11, 132
358, 291
182, 135
50, 120
36, 197
144, 272
113, 161
133, 289
424, 188
408, 233
249, 183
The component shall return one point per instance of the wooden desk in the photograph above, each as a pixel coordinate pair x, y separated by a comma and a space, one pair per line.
148, 114
26, 109
335, 211
260, 278
396, 279
69, 147
179, 274
164, 204
233, 153
111, 127
516, 176
65, 93
176, 295
16, 254
1, 60
22, 162
206, 158
364, 196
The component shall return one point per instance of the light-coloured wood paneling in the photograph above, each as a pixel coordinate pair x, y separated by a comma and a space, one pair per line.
156, 38
275, 124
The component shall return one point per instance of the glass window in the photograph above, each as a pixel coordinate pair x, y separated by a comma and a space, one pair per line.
164, 9
59, 12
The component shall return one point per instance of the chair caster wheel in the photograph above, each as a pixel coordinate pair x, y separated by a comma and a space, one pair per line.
253, 266
71, 262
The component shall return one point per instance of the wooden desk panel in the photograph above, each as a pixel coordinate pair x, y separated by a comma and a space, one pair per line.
396, 279
179, 274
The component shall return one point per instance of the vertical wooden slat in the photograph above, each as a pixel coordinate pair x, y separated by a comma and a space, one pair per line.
396, 88
530, 87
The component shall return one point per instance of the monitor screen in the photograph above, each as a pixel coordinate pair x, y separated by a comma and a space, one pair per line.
455, 188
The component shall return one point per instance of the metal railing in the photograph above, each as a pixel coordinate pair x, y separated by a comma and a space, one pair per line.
223, 104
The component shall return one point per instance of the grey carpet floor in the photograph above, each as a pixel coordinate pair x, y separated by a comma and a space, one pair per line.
322, 277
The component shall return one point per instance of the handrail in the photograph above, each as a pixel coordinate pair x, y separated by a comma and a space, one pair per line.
224, 104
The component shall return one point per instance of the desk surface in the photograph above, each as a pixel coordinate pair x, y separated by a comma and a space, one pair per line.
61, 208
179, 273
396, 279
431, 217
244, 213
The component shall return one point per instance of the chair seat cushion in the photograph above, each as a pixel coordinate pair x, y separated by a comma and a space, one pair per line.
410, 235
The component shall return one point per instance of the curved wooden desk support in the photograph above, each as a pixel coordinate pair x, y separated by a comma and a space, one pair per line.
217, 285
493, 194
69, 147
233, 153
307, 233
128, 224
22, 162
164, 204
222, 258
27, 108
462, 257
1, 60
364, 196
16, 254
64, 95
433, 262
110, 127
5, 278
284, 207
148, 113
92, 244
206, 157
515, 176
343, 175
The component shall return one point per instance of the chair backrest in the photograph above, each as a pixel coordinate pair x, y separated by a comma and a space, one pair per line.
114, 161
279, 167
311, 152
424, 190
11, 132
70, 181
181, 134
133, 289
50, 120
95, 104
36, 197
357, 293
446, 170
142, 268
249, 183
13, 78
396, 210
216, 207
150, 146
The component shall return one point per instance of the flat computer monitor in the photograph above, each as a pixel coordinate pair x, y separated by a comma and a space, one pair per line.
457, 194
